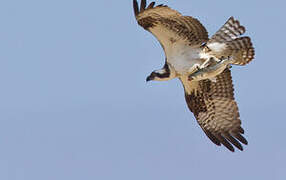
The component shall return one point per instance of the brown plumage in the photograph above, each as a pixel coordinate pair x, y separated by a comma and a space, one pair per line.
216, 111
212, 103
186, 29
239, 47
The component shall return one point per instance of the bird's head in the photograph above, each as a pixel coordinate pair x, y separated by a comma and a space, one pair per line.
164, 74
159, 75
153, 76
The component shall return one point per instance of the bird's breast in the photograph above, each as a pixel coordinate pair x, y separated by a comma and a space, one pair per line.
182, 59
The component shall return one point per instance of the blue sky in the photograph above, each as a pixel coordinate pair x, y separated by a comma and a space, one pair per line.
74, 103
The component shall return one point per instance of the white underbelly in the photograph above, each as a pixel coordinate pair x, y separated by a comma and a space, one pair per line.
184, 59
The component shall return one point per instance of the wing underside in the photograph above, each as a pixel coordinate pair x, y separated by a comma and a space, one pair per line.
168, 25
216, 111
212, 103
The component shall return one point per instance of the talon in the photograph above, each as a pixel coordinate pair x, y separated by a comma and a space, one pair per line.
194, 68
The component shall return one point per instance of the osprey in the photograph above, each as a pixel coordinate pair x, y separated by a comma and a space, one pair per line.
203, 67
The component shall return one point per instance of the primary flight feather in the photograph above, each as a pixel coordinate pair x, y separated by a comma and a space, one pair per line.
202, 65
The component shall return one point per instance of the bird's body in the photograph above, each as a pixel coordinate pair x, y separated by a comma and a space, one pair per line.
182, 59
195, 59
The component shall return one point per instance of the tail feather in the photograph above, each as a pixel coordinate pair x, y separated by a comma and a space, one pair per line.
229, 31
242, 50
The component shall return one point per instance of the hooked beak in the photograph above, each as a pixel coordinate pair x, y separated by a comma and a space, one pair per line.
149, 78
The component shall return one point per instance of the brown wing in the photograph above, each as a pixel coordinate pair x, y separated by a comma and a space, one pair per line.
169, 26
215, 109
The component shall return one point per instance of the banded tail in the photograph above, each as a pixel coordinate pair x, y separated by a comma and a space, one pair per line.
242, 50
229, 31
226, 42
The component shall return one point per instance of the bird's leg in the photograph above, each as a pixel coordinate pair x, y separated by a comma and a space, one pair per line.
209, 61
194, 68
206, 63
197, 67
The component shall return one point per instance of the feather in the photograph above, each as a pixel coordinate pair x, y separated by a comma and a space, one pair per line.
135, 7
215, 109
240, 138
233, 141
151, 5
225, 142
240, 130
229, 31
212, 137
142, 6
212, 103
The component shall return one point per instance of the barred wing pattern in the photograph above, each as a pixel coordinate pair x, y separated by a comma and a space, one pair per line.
216, 111
169, 26
212, 103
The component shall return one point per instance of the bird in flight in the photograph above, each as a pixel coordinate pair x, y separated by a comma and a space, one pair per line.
203, 66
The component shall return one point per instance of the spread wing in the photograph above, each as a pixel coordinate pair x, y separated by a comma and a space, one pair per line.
169, 26
215, 109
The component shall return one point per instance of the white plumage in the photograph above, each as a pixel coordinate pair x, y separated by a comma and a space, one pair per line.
202, 66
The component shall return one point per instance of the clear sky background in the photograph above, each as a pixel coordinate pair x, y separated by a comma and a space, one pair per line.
74, 103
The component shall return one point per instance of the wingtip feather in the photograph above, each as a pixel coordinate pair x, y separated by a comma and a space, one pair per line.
212, 137
240, 138
225, 142
233, 141
151, 5
135, 7
143, 5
